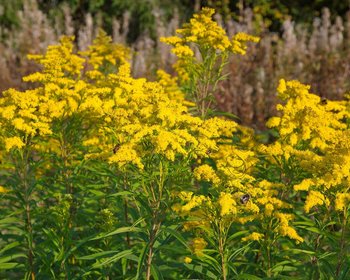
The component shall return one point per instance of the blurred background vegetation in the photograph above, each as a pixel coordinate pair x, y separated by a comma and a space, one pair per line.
304, 40
273, 12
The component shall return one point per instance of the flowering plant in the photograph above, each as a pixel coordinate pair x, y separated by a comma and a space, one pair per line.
107, 176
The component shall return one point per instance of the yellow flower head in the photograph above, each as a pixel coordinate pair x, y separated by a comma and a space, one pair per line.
342, 201
206, 173
197, 245
313, 199
227, 204
13, 142
255, 236
203, 31
3, 189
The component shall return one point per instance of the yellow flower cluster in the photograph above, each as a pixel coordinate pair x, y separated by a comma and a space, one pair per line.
342, 201
147, 122
239, 42
227, 204
3, 189
21, 112
285, 229
191, 201
203, 48
171, 87
105, 56
204, 32
144, 118
125, 155
64, 90
198, 245
313, 199
306, 118
255, 236
314, 134
206, 173
13, 142
236, 196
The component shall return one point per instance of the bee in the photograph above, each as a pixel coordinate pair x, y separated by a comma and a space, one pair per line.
245, 198
116, 148
324, 101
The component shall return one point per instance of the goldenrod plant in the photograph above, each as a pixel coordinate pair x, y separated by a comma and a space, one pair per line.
203, 49
311, 157
107, 176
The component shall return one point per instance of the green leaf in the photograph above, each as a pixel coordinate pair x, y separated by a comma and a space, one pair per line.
201, 269
344, 274
123, 193
157, 275
11, 257
117, 231
9, 220
97, 255
282, 266
211, 261
9, 246
178, 236
326, 255
237, 234
141, 260
115, 258
235, 253
10, 265
246, 276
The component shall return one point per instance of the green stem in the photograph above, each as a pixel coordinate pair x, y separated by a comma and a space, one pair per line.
28, 219
126, 214
152, 239
69, 190
206, 81
222, 252
342, 244
156, 222
268, 245
29, 230
268, 260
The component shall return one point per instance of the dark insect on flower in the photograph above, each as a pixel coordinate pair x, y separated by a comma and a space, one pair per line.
245, 198
209, 152
116, 148
324, 101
